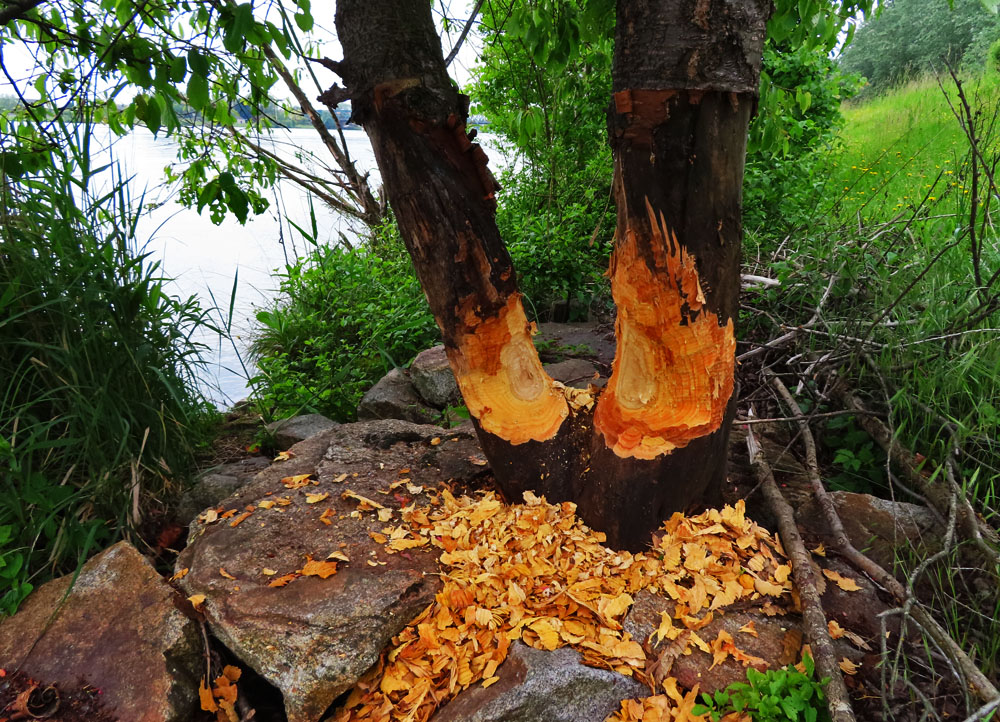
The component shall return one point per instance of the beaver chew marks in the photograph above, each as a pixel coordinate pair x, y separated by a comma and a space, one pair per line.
502, 381
673, 371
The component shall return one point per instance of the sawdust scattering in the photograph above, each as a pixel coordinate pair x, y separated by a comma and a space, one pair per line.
534, 572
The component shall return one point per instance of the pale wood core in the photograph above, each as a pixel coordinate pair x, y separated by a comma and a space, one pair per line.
673, 370
502, 380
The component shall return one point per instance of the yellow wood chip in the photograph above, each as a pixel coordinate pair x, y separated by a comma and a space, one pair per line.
848, 667
845, 583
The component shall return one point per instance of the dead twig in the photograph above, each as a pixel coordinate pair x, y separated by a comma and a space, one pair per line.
977, 682
813, 618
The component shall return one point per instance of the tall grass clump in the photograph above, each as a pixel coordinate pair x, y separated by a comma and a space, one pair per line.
100, 415
343, 318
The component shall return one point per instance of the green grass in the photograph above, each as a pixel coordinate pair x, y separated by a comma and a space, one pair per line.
903, 149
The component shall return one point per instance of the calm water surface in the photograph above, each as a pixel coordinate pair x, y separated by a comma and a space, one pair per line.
205, 259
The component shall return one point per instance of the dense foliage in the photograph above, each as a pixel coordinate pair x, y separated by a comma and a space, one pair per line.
910, 37
343, 319
547, 103
795, 127
100, 415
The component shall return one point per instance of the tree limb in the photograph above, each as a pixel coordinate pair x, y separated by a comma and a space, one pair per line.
16, 9
465, 32
813, 618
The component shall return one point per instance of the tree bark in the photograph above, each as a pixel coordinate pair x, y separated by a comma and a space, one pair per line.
685, 82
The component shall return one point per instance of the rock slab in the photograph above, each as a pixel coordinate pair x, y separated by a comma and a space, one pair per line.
288, 432
216, 484
313, 638
878, 527
539, 686
119, 630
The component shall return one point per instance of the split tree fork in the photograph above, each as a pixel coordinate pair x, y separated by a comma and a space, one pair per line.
685, 83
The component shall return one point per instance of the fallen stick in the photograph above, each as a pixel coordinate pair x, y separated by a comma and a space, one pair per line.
813, 617
977, 682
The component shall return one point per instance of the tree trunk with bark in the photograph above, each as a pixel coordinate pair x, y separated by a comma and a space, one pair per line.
685, 83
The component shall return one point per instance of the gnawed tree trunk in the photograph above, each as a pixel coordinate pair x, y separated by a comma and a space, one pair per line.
685, 80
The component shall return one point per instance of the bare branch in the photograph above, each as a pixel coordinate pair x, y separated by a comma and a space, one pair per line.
465, 32
977, 682
813, 618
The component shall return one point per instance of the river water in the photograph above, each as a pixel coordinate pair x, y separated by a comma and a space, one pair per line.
206, 260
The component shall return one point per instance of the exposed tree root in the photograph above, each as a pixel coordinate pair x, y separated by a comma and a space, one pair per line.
973, 677
814, 620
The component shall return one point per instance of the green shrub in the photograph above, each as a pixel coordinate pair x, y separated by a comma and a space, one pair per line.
790, 136
994, 55
776, 695
98, 403
344, 318
558, 256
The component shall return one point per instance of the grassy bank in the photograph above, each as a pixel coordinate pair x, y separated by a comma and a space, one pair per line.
896, 280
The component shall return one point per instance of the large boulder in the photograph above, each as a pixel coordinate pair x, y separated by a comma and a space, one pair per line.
394, 397
538, 686
878, 527
119, 630
432, 377
314, 637
288, 432
216, 484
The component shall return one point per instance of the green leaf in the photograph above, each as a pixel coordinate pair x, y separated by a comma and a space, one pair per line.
304, 21
178, 69
237, 27
197, 91
198, 63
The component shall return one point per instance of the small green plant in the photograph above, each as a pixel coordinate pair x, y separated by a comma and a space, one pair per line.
860, 461
776, 695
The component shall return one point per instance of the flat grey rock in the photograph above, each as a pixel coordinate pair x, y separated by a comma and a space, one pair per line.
288, 432
216, 484
394, 397
539, 686
314, 638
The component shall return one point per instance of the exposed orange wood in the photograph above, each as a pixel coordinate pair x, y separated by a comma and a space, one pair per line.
502, 379
673, 371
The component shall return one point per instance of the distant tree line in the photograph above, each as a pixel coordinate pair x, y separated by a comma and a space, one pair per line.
911, 37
